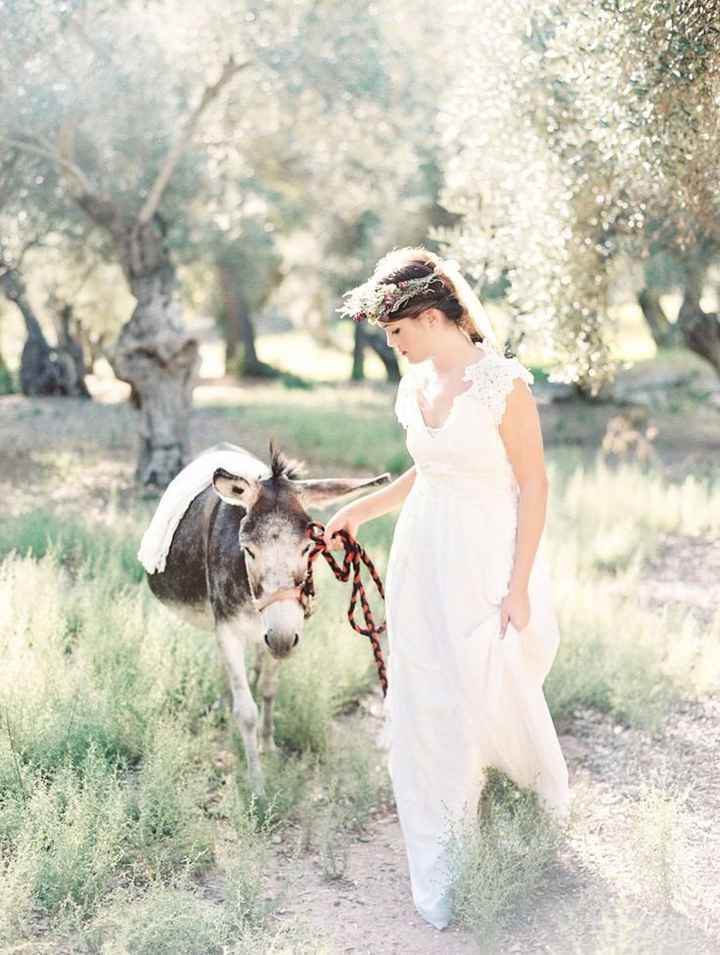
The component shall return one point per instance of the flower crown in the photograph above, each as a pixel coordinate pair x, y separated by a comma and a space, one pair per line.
375, 300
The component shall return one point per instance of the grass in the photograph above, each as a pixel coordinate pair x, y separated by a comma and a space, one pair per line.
503, 864
113, 806
660, 842
100, 773
644, 855
108, 726
605, 516
617, 654
314, 426
623, 659
110, 555
500, 860
66, 838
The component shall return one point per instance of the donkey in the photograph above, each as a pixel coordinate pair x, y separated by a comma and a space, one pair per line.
237, 559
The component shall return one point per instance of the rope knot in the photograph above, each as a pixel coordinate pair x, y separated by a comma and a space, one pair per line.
355, 553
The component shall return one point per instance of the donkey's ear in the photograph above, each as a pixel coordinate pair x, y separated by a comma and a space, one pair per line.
233, 488
318, 492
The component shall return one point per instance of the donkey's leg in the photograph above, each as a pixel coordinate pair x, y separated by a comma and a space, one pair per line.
269, 679
257, 652
232, 636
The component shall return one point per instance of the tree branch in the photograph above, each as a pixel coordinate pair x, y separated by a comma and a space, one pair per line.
100, 208
171, 160
54, 156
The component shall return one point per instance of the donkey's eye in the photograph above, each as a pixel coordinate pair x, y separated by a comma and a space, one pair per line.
248, 551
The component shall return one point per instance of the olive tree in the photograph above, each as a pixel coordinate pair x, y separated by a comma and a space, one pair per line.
659, 121
45, 368
146, 109
113, 98
582, 130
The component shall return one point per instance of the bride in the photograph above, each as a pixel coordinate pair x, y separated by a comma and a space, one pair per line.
471, 624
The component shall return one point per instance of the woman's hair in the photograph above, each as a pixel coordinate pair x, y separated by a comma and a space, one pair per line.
417, 262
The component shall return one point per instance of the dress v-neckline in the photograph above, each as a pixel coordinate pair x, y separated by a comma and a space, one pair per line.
430, 429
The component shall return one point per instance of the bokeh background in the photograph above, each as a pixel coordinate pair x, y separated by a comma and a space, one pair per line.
185, 193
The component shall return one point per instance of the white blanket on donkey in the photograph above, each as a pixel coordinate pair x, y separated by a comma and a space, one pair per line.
181, 492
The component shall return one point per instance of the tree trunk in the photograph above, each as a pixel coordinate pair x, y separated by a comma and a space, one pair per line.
239, 328
251, 365
386, 355
72, 346
155, 354
6, 382
44, 370
664, 333
700, 329
357, 372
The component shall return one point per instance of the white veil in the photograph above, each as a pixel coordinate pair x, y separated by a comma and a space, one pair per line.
469, 301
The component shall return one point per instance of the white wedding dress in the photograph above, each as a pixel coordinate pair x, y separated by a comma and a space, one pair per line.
461, 699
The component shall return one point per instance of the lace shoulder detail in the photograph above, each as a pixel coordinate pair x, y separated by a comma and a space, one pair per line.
404, 400
492, 381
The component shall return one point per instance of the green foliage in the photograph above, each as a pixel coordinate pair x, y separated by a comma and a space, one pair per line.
611, 659
287, 782
353, 781
317, 430
599, 510
7, 385
587, 135
616, 654
65, 840
78, 669
169, 829
90, 721
178, 919
248, 190
77, 544
498, 863
660, 840
108, 729
332, 845
166, 920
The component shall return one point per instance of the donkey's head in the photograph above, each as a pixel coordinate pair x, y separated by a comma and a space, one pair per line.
273, 537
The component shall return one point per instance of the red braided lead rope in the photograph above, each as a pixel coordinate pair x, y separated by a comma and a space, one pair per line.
354, 554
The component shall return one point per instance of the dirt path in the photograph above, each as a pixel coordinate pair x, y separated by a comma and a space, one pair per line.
591, 902
370, 908
587, 894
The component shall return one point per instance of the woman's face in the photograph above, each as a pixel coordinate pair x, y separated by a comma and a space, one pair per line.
407, 336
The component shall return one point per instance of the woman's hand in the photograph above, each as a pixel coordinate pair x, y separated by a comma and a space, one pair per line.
344, 519
515, 607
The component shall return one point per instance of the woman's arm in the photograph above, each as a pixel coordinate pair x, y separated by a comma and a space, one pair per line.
350, 516
522, 436
387, 499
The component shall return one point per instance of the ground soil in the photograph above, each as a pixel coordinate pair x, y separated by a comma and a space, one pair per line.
370, 910
48, 459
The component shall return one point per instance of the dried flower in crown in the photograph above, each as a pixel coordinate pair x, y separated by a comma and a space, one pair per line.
374, 300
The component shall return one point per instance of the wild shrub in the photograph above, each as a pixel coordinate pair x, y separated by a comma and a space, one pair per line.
498, 860
626, 659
